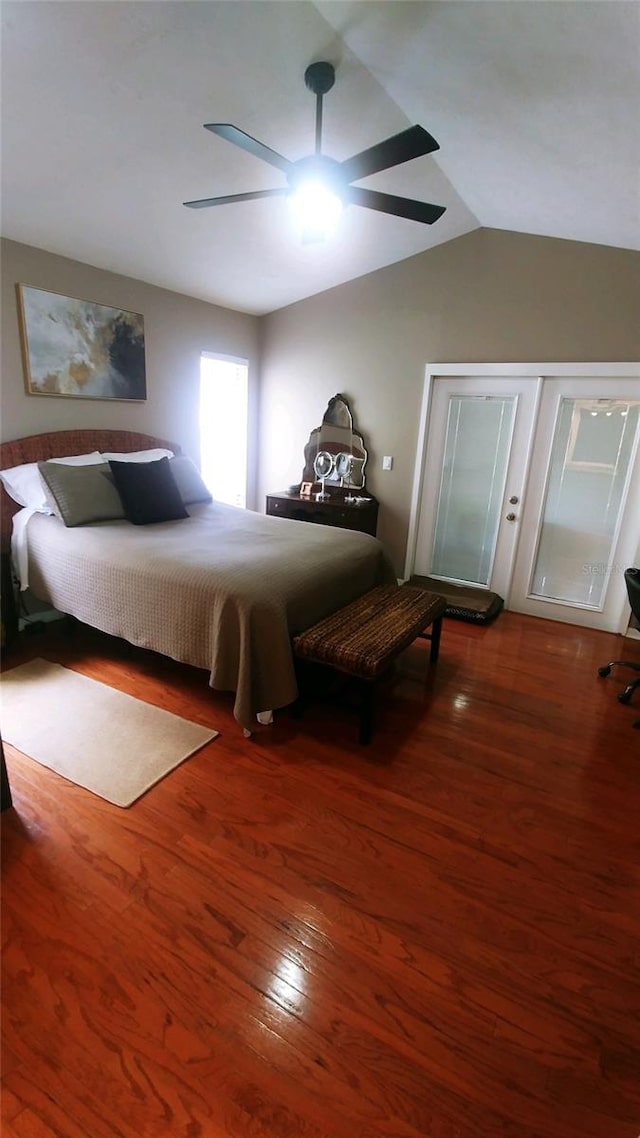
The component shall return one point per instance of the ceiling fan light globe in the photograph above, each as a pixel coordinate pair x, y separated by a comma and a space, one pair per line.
316, 210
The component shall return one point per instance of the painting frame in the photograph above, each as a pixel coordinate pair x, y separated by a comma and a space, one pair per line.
80, 349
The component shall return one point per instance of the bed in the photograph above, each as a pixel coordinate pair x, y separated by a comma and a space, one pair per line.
221, 589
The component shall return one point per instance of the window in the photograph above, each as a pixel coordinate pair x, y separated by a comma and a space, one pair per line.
223, 427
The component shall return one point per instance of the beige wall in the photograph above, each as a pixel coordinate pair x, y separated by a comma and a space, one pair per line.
177, 330
487, 296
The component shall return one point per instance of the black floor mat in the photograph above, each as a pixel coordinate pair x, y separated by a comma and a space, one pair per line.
476, 606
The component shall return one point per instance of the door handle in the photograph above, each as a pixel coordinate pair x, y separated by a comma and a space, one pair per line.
511, 517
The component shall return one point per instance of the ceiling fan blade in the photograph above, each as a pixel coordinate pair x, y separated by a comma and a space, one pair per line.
204, 202
410, 143
399, 207
251, 145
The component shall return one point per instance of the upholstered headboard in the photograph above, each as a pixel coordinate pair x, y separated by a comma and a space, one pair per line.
57, 444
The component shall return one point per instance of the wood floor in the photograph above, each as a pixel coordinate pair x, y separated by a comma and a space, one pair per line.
296, 937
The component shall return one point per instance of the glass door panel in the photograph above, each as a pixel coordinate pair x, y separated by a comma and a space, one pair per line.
477, 451
588, 472
468, 513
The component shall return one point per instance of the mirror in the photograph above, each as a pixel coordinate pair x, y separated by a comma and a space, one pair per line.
342, 443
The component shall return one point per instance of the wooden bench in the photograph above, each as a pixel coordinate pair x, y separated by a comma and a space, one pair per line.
364, 638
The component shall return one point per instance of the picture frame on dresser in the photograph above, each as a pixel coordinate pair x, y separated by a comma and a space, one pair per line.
79, 349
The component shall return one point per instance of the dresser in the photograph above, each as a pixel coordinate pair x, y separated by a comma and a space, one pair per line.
334, 511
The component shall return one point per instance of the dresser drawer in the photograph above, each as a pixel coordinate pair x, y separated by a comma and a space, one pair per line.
334, 512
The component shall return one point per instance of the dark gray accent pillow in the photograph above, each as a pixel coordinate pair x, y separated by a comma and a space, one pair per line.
80, 495
148, 491
189, 480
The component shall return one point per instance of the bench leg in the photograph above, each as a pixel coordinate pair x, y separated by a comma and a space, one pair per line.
434, 637
366, 712
436, 630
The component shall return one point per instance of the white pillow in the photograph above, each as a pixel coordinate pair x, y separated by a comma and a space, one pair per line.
94, 458
139, 455
24, 485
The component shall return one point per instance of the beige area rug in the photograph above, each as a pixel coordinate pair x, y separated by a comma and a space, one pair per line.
112, 744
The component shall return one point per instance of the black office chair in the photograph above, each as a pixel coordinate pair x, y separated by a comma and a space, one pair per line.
632, 581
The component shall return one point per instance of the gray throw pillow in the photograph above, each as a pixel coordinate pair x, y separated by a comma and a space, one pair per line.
80, 495
188, 480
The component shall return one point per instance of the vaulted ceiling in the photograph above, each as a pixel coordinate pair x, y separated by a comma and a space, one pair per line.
536, 107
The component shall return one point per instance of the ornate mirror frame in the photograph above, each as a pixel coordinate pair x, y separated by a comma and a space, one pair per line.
338, 437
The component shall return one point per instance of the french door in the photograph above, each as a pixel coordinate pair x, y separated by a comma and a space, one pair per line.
581, 517
529, 485
477, 457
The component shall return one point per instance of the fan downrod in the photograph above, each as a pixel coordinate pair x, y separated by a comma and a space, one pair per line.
320, 77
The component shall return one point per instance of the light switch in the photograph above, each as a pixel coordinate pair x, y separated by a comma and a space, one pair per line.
387, 462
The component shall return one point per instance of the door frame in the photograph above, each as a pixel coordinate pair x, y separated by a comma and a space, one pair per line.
539, 371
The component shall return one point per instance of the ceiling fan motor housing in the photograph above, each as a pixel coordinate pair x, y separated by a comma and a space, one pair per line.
321, 168
320, 77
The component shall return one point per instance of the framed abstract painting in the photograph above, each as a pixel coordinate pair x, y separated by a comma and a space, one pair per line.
79, 349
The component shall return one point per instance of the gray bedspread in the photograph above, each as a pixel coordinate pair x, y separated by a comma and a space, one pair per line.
224, 589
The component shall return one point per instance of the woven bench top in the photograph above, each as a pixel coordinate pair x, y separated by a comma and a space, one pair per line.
364, 637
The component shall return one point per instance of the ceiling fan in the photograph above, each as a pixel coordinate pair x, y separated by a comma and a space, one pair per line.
335, 177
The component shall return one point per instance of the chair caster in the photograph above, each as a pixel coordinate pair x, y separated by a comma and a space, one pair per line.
605, 670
